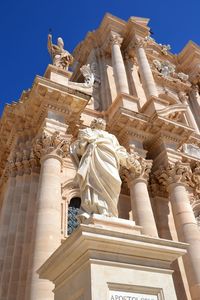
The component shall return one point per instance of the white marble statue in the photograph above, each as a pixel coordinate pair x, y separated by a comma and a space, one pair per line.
99, 157
61, 57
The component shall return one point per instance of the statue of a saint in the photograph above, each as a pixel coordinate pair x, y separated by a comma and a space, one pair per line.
99, 156
61, 57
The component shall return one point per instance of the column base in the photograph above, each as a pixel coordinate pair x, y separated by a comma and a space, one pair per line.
106, 259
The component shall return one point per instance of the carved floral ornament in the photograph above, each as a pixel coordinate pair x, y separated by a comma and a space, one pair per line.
179, 173
51, 144
141, 168
116, 39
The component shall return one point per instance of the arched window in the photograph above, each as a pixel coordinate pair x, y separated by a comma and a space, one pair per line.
73, 210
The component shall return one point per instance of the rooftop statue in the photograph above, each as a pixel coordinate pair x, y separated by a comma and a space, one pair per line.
99, 157
61, 57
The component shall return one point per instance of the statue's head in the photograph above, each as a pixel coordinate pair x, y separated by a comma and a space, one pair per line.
98, 123
60, 42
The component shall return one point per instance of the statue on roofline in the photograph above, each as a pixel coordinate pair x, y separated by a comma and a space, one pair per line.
61, 58
99, 156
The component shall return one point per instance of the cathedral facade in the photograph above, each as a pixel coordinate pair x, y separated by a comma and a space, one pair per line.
150, 101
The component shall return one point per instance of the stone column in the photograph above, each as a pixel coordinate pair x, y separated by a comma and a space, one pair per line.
177, 178
51, 150
118, 65
28, 231
5, 220
140, 201
194, 100
145, 70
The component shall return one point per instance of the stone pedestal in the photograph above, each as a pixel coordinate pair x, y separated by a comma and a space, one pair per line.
57, 75
101, 261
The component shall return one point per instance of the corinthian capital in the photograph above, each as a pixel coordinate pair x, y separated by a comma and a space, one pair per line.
140, 168
174, 173
116, 39
51, 144
195, 180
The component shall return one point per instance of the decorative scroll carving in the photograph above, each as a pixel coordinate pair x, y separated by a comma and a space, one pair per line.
138, 43
90, 74
179, 173
195, 180
54, 144
116, 39
174, 173
142, 168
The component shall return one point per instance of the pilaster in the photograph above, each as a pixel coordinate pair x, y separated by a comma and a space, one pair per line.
140, 200
50, 149
177, 179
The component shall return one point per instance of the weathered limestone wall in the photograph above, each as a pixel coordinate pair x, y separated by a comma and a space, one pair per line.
18, 215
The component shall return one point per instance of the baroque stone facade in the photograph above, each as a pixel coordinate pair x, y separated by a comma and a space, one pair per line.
150, 100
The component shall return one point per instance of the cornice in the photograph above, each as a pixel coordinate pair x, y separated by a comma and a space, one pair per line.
174, 83
23, 118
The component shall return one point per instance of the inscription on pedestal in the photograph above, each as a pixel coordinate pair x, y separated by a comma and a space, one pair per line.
119, 295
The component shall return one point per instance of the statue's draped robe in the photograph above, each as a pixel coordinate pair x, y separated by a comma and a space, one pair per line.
98, 170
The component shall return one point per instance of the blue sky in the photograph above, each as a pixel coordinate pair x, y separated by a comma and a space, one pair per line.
24, 26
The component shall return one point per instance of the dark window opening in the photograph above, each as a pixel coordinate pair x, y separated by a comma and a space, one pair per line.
73, 211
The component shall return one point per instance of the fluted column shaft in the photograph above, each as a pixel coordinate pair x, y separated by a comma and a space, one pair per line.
145, 71
177, 177
187, 227
141, 203
48, 236
118, 66
7, 211
28, 237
